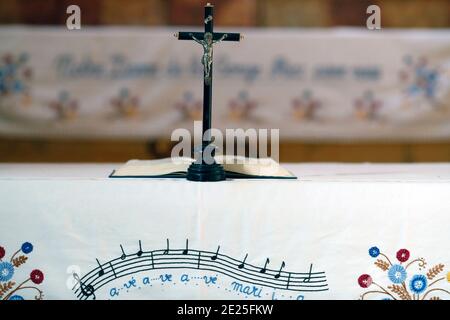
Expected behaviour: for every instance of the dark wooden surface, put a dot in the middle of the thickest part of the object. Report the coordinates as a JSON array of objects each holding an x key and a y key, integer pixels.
[{"x": 36, "y": 150}]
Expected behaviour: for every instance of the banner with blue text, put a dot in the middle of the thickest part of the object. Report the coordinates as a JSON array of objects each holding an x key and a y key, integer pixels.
[{"x": 313, "y": 85}]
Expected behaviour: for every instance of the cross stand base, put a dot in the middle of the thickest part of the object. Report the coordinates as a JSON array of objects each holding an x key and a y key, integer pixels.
[{"x": 205, "y": 172}]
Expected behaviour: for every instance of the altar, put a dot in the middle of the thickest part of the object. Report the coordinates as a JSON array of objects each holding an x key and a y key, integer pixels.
[{"x": 353, "y": 231}]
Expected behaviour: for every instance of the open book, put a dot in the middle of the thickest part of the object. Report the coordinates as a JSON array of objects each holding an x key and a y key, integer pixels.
[{"x": 235, "y": 168}]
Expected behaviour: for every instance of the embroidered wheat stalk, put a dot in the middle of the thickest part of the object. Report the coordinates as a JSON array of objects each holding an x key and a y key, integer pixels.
[
  {"x": 383, "y": 265},
  {"x": 433, "y": 272},
  {"x": 19, "y": 261},
  {"x": 6, "y": 287},
  {"x": 400, "y": 291}
]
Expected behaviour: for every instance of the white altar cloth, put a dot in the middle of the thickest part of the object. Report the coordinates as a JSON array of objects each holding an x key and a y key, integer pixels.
[{"x": 338, "y": 232}]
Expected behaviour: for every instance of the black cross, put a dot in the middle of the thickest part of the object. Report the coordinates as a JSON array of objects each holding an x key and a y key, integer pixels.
[{"x": 202, "y": 38}]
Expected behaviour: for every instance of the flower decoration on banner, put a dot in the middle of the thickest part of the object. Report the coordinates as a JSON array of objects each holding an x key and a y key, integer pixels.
[
  {"x": 64, "y": 106},
  {"x": 367, "y": 107},
  {"x": 126, "y": 104},
  {"x": 9, "y": 288},
  {"x": 305, "y": 106},
  {"x": 189, "y": 107},
  {"x": 420, "y": 79},
  {"x": 240, "y": 108},
  {"x": 15, "y": 77},
  {"x": 408, "y": 278}
]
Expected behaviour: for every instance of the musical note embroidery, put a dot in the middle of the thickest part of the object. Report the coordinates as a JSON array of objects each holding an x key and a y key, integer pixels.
[
  {"x": 279, "y": 272},
  {"x": 216, "y": 255},
  {"x": 139, "y": 253},
  {"x": 167, "y": 250},
  {"x": 189, "y": 258},
  {"x": 101, "y": 272},
  {"x": 242, "y": 265},
  {"x": 187, "y": 247},
  {"x": 123, "y": 256},
  {"x": 263, "y": 270}
]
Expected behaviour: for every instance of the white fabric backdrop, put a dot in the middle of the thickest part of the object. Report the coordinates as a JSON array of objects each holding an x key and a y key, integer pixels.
[
  {"x": 73, "y": 215},
  {"x": 333, "y": 84}
]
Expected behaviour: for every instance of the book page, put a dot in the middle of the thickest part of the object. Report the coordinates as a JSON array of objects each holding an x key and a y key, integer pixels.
[{"x": 153, "y": 167}]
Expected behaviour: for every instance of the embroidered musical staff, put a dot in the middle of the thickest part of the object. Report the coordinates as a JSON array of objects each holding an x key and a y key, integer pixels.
[
  {"x": 114, "y": 271},
  {"x": 288, "y": 281},
  {"x": 86, "y": 290},
  {"x": 189, "y": 258}
]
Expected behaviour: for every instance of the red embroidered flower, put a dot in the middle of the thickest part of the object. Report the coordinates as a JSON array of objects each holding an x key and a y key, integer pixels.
[
  {"x": 2, "y": 252},
  {"x": 402, "y": 255},
  {"x": 37, "y": 276},
  {"x": 365, "y": 280}
]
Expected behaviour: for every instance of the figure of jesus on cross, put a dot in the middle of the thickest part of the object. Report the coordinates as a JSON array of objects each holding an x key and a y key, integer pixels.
[{"x": 203, "y": 170}]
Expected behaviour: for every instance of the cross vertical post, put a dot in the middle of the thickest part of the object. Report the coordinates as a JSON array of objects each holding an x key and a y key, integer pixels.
[
  {"x": 205, "y": 168},
  {"x": 207, "y": 84}
]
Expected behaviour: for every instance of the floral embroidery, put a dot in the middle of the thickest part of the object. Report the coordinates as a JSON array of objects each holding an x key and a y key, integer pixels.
[
  {"x": 126, "y": 103},
  {"x": 36, "y": 276},
  {"x": 397, "y": 274},
  {"x": 15, "y": 77},
  {"x": 367, "y": 107},
  {"x": 365, "y": 280},
  {"x": 421, "y": 80},
  {"x": 418, "y": 283},
  {"x": 189, "y": 107},
  {"x": 6, "y": 271},
  {"x": 241, "y": 108},
  {"x": 65, "y": 107},
  {"x": 402, "y": 255},
  {"x": 305, "y": 107},
  {"x": 8, "y": 288},
  {"x": 374, "y": 252},
  {"x": 417, "y": 287},
  {"x": 27, "y": 248}
]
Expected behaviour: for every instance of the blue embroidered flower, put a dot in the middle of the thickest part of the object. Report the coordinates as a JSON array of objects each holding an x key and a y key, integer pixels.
[
  {"x": 6, "y": 271},
  {"x": 374, "y": 252},
  {"x": 397, "y": 274},
  {"x": 418, "y": 283},
  {"x": 27, "y": 247},
  {"x": 16, "y": 297}
]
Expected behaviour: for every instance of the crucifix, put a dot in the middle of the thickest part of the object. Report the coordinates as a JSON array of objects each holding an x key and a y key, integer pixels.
[{"x": 205, "y": 168}]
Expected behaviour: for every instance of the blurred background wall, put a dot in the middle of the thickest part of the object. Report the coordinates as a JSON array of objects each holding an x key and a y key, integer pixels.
[{"x": 247, "y": 13}]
